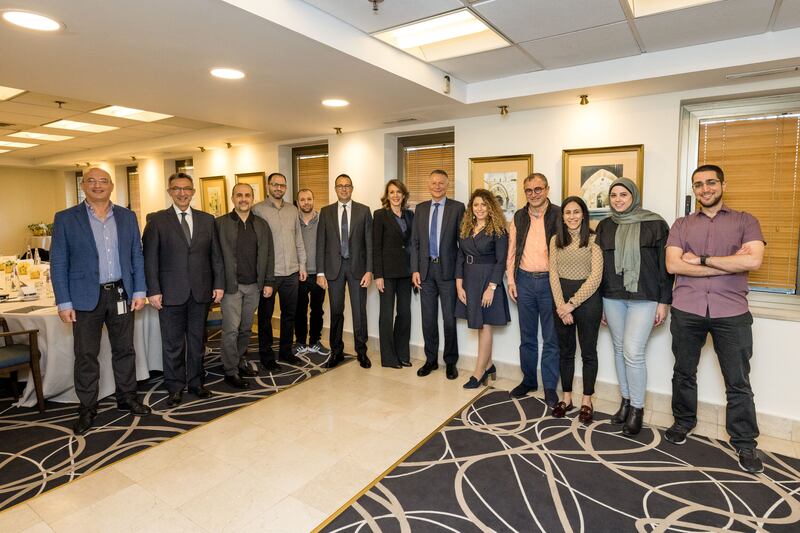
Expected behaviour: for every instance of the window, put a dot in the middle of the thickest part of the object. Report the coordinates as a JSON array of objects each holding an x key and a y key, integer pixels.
[
  {"x": 311, "y": 172},
  {"x": 185, "y": 165},
  {"x": 80, "y": 195},
  {"x": 757, "y": 143},
  {"x": 418, "y": 156}
]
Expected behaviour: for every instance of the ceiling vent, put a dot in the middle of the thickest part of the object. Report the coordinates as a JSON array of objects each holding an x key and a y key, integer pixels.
[
  {"x": 5, "y": 125},
  {"x": 400, "y": 121}
]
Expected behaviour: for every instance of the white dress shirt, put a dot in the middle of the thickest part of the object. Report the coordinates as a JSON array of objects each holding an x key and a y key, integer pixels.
[
  {"x": 340, "y": 210},
  {"x": 188, "y": 217}
]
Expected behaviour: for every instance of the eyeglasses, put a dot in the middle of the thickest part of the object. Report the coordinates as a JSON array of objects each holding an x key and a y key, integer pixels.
[
  {"x": 181, "y": 189},
  {"x": 95, "y": 181},
  {"x": 535, "y": 190},
  {"x": 710, "y": 183},
  {"x": 278, "y": 185},
  {"x": 345, "y": 187}
]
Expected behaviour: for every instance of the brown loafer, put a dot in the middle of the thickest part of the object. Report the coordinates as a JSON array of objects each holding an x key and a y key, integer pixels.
[
  {"x": 585, "y": 414},
  {"x": 561, "y": 409}
]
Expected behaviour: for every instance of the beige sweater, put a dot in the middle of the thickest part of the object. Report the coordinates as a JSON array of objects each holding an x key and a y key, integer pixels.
[{"x": 575, "y": 263}]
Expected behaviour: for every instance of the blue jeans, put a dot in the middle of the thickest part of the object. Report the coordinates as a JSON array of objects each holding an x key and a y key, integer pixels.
[
  {"x": 535, "y": 305},
  {"x": 630, "y": 323}
]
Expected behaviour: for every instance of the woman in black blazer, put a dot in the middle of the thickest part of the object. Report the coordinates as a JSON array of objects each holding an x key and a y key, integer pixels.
[{"x": 391, "y": 233}]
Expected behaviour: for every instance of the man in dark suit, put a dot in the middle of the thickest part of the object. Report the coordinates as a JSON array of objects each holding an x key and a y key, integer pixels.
[
  {"x": 98, "y": 278},
  {"x": 344, "y": 257},
  {"x": 434, "y": 247},
  {"x": 184, "y": 272}
]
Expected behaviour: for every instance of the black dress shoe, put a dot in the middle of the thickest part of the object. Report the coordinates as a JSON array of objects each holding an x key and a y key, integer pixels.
[
  {"x": 405, "y": 363},
  {"x": 134, "y": 406},
  {"x": 236, "y": 381},
  {"x": 271, "y": 366},
  {"x": 247, "y": 371},
  {"x": 174, "y": 398},
  {"x": 84, "y": 422},
  {"x": 333, "y": 360},
  {"x": 200, "y": 392},
  {"x": 364, "y": 361},
  {"x": 395, "y": 365},
  {"x": 633, "y": 425},
  {"x": 292, "y": 360},
  {"x": 452, "y": 371},
  {"x": 521, "y": 390},
  {"x": 427, "y": 368}
]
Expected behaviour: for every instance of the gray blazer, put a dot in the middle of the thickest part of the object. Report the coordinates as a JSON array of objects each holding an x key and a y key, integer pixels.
[
  {"x": 265, "y": 260},
  {"x": 329, "y": 247}
]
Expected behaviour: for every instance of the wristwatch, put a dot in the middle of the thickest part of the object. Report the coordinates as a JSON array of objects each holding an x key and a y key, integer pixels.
[
  {"x": 492, "y": 286},
  {"x": 703, "y": 259}
]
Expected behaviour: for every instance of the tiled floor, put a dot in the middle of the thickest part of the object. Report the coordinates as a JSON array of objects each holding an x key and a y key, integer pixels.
[{"x": 283, "y": 464}]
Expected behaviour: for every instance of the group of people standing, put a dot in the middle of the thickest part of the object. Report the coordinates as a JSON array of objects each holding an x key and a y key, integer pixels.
[{"x": 564, "y": 277}]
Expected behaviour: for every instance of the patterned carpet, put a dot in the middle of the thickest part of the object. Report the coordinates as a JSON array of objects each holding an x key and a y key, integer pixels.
[
  {"x": 503, "y": 465},
  {"x": 39, "y": 452}
]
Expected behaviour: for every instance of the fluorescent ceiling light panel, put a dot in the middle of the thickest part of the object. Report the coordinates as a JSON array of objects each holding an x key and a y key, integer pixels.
[
  {"x": 442, "y": 37},
  {"x": 227, "y": 73},
  {"x": 4, "y": 151},
  {"x": 10, "y": 144},
  {"x": 335, "y": 102},
  {"x": 642, "y": 8},
  {"x": 79, "y": 126},
  {"x": 40, "y": 136},
  {"x": 9, "y": 92},
  {"x": 31, "y": 21},
  {"x": 130, "y": 113}
]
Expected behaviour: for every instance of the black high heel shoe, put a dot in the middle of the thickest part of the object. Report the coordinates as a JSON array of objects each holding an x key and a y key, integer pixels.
[
  {"x": 473, "y": 383},
  {"x": 490, "y": 372}
]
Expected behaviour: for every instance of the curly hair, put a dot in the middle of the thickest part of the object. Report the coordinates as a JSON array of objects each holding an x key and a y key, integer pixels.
[{"x": 496, "y": 221}]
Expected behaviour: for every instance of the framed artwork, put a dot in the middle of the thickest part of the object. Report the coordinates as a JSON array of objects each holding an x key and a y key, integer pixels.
[
  {"x": 503, "y": 176},
  {"x": 214, "y": 195},
  {"x": 589, "y": 172},
  {"x": 258, "y": 181}
]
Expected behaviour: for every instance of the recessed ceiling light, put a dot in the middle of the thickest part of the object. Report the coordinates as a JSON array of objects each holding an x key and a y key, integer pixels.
[
  {"x": 642, "y": 8},
  {"x": 10, "y": 144},
  {"x": 32, "y": 21},
  {"x": 335, "y": 102},
  {"x": 130, "y": 113},
  {"x": 79, "y": 126},
  {"x": 455, "y": 34},
  {"x": 40, "y": 136},
  {"x": 4, "y": 151},
  {"x": 227, "y": 73},
  {"x": 9, "y": 92}
]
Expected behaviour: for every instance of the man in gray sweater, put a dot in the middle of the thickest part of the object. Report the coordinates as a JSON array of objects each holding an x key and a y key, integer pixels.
[{"x": 308, "y": 332}]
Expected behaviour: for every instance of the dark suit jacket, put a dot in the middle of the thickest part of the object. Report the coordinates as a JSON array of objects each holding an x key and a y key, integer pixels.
[
  {"x": 177, "y": 270},
  {"x": 265, "y": 259},
  {"x": 391, "y": 249},
  {"x": 75, "y": 264},
  {"x": 448, "y": 241},
  {"x": 329, "y": 245}
]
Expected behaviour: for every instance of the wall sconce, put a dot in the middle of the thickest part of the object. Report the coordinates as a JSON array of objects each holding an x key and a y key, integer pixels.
[
  {"x": 446, "y": 84},
  {"x": 133, "y": 158},
  {"x": 503, "y": 110},
  {"x": 87, "y": 164},
  {"x": 202, "y": 149},
  {"x": 584, "y": 99},
  {"x": 338, "y": 131},
  {"x": 229, "y": 145}
]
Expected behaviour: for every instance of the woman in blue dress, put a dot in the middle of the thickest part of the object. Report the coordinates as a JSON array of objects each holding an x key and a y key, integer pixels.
[{"x": 482, "y": 300}]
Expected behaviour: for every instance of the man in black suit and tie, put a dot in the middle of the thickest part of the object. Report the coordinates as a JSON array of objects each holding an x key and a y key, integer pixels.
[
  {"x": 184, "y": 273},
  {"x": 344, "y": 257},
  {"x": 434, "y": 247}
]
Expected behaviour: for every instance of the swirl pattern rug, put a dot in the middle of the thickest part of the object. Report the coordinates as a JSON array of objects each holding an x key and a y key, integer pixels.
[
  {"x": 39, "y": 452},
  {"x": 505, "y": 465}
]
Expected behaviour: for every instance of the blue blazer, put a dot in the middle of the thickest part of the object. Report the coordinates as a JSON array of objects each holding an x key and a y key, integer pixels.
[{"x": 75, "y": 264}]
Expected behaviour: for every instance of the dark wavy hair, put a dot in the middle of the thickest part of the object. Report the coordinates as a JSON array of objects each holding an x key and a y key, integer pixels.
[
  {"x": 563, "y": 238},
  {"x": 403, "y": 189}
]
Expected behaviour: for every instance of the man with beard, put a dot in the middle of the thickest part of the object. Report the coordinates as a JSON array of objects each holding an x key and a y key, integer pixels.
[
  {"x": 710, "y": 252},
  {"x": 308, "y": 331}
]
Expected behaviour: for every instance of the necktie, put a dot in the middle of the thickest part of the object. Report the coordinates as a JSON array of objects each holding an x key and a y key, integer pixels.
[
  {"x": 345, "y": 234},
  {"x": 186, "y": 230},
  {"x": 433, "y": 236}
]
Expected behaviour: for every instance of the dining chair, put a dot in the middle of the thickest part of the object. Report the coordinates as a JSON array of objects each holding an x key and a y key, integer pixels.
[{"x": 15, "y": 357}]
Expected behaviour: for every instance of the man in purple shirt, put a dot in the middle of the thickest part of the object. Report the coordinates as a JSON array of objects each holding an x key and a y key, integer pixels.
[{"x": 710, "y": 252}]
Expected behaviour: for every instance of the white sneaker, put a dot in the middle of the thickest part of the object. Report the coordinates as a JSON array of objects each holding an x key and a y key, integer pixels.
[
  {"x": 300, "y": 348},
  {"x": 319, "y": 348}
]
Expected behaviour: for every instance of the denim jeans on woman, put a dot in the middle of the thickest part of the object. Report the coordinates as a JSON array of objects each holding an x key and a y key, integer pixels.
[{"x": 630, "y": 323}]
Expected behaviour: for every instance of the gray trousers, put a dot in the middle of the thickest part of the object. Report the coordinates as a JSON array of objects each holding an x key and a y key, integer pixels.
[{"x": 237, "y": 321}]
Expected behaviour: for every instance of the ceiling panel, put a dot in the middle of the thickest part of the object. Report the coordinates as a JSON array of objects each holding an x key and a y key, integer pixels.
[
  {"x": 48, "y": 100},
  {"x": 391, "y": 13},
  {"x": 499, "y": 63},
  {"x": 687, "y": 27},
  {"x": 525, "y": 20},
  {"x": 45, "y": 114},
  {"x": 185, "y": 123},
  {"x": 158, "y": 129},
  {"x": 788, "y": 15},
  {"x": 596, "y": 44},
  {"x": 44, "y": 150},
  {"x": 19, "y": 121}
]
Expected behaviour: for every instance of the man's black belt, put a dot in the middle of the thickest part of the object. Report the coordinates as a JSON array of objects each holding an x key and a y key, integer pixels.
[
  {"x": 435, "y": 259},
  {"x": 111, "y": 285},
  {"x": 534, "y": 274}
]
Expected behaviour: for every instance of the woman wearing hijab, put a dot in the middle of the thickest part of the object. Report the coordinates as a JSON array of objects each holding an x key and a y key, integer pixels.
[{"x": 636, "y": 289}]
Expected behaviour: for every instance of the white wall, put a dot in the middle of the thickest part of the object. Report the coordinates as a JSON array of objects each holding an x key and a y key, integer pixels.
[{"x": 27, "y": 196}]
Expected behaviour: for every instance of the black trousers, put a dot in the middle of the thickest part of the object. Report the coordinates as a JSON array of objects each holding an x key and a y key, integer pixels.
[
  {"x": 395, "y": 330},
  {"x": 733, "y": 342},
  {"x": 358, "y": 307},
  {"x": 286, "y": 288},
  {"x": 183, "y": 329},
  {"x": 587, "y": 323},
  {"x": 436, "y": 289},
  {"x": 87, "y": 332},
  {"x": 308, "y": 330}
]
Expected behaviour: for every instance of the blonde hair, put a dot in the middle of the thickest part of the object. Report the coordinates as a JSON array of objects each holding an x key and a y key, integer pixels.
[{"x": 496, "y": 220}]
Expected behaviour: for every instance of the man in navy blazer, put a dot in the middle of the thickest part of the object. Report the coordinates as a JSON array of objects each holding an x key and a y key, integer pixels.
[
  {"x": 97, "y": 269},
  {"x": 434, "y": 247},
  {"x": 184, "y": 271}
]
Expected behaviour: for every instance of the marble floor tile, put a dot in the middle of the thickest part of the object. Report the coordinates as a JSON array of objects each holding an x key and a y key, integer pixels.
[{"x": 18, "y": 518}]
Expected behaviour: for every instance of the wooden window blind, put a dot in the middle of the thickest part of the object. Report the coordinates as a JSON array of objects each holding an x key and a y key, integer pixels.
[
  {"x": 312, "y": 173},
  {"x": 759, "y": 155},
  {"x": 419, "y": 162},
  {"x": 134, "y": 196}
]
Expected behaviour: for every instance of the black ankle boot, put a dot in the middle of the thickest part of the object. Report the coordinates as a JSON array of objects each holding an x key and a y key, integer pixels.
[
  {"x": 622, "y": 414},
  {"x": 633, "y": 425}
]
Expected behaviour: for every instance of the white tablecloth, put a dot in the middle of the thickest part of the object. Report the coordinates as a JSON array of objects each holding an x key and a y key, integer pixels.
[{"x": 58, "y": 357}]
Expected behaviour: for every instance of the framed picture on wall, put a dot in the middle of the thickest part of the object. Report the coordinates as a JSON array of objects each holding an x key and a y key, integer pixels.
[
  {"x": 589, "y": 172},
  {"x": 214, "y": 195},
  {"x": 258, "y": 181},
  {"x": 503, "y": 177}
]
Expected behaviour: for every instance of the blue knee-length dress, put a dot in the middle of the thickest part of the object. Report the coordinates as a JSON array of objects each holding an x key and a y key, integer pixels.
[{"x": 482, "y": 260}]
